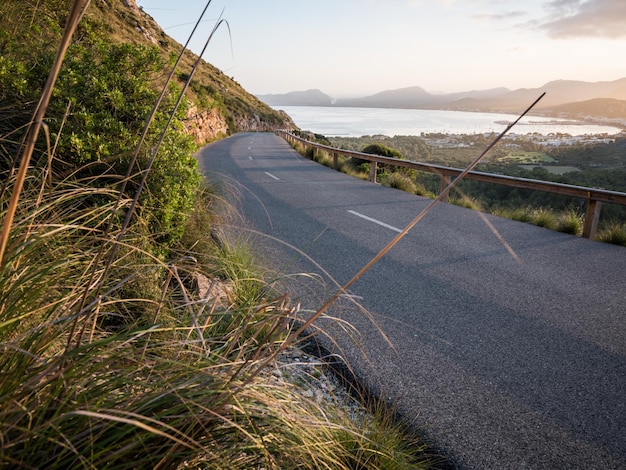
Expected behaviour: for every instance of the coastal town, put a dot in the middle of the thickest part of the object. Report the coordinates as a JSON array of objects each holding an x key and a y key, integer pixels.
[{"x": 441, "y": 140}]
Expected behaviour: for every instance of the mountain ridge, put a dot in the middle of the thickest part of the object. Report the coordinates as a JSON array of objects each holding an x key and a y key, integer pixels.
[{"x": 562, "y": 96}]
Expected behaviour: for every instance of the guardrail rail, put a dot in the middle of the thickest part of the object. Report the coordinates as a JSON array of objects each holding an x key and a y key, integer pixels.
[{"x": 595, "y": 197}]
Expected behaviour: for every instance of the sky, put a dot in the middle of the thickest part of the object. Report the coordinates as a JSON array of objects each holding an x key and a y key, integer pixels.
[{"x": 350, "y": 48}]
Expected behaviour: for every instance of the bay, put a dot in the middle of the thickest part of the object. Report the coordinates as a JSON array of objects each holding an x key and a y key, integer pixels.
[{"x": 355, "y": 122}]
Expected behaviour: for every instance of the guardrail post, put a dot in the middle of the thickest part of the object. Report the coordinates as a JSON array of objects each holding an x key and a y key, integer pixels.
[
  {"x": 591, "y": 218},
  {"x": 335, "y": 161},
  {"x": 373, "y": 166},
  {"x": 443, "y": 184}
]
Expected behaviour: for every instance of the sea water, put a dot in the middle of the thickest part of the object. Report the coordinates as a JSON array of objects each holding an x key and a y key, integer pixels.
[{"x": 355, "y": 122}]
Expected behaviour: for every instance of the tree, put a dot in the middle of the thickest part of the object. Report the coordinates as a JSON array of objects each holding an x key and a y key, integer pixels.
[{"x": 376, "y": 149}]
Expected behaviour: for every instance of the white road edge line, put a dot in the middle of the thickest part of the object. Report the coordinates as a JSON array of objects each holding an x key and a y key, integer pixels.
[
  {"x": 272, "y": 176},
  {"x": 382, "y": 224}
]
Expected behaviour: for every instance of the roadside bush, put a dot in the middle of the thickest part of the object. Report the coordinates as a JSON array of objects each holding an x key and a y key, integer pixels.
[
  {"x": 421, "y": 190},
  {"x": 614, "y": 233},
  {"x": 376, "y": 149},
  {"x": 521, "y": 214},
  {"x": 324, "y": 158},
  {"x": 545, "y": 218},
  {"x": 570, "y": 222},
  {"x": 399, "y": 181},
  {"x": 467, "y": 202}
]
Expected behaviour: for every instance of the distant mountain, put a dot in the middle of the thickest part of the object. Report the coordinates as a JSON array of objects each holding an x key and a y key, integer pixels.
[
  {"x": 478, "y": 94},
  {"x": 412, "y": 97},
  {"x": 298, "y": 98},
  {"x": 558, "y": 93},
  {"x": 598, "y": 107},
  {"x": 417, "y": 98}
]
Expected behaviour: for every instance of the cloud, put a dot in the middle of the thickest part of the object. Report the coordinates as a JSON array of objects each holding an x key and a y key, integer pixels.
[
  {"x": 590, "y": 18},
  {"x": 499, "y": 16}
]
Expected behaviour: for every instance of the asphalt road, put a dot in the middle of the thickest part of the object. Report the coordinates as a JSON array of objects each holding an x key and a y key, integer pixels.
[{"x": 505, "y": 342}]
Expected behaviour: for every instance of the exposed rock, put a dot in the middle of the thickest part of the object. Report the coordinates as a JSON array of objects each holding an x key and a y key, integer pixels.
[
  {"x": 254, "y": 124},
  {"x": 205, "y": 126},
  {"x": 209, "y": 125},
  {"x": 213, "y": 290}
]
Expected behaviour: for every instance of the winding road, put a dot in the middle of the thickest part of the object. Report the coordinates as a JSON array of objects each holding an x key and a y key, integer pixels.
[{"x": 505, "y": 343}]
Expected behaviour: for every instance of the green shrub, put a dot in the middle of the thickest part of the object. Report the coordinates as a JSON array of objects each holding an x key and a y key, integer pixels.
[
  {"x": 360, "y": 164},
  {"x": 109, "y": 90},
  {"x": 382, "y": 150}
]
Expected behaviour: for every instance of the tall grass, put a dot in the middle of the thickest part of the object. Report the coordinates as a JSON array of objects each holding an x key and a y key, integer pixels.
[
  {"x": 401, "y": 182},
  {"x": 111, "y": 357},
  {"x": 466, "y": 201},
  {"x": 163, "y": 387},
  {"x": 569, "y": 221}
]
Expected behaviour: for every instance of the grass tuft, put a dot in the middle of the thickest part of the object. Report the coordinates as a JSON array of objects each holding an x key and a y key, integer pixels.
[
  {"x": 467, "y": 202},
  {"x": 570, "y": 222},
  {"x": 401, "y": 182},
  {"x": 545, "y": 218},
  {"x": 614, "y": 233}
]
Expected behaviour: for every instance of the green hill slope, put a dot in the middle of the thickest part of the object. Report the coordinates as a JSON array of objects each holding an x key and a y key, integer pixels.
[{"x": 30, "y": 31}]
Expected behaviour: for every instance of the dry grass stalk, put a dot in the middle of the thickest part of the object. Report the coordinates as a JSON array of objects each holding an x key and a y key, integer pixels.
[
  {"x": 78, "y": 9},
  {"x": 343, "y": 290},
  {"x": 146, "y": 171}
]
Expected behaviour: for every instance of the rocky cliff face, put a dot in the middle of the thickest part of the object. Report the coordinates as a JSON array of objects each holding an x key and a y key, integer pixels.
[
  {"x": 255, "y": 123},
  {"x": 206, "y": 125}
]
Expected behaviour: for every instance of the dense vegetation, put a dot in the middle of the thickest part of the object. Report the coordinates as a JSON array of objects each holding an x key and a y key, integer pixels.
[
  {"x": 131, "y": 335},
  {"x": 586, "y": 164}
]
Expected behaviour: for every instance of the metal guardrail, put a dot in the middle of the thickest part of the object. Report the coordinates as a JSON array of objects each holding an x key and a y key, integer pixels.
[{"x": 594, "y": 197}]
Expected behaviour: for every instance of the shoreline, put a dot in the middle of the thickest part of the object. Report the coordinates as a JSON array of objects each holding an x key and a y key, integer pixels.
[{"x": 360, "y": 121}]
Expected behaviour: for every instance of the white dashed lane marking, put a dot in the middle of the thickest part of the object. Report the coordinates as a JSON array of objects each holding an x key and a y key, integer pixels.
[{"x": 382, "y": 224}]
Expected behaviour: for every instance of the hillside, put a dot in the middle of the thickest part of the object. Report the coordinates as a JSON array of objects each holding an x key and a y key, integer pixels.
[
  {"x": 219, "y": 105},
  {"x": 210, "y": 88},
  {"x": 607, "y": 108}
]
